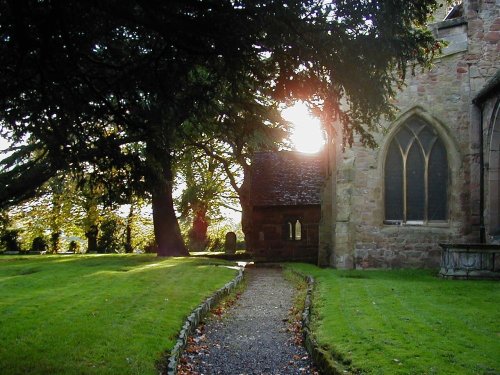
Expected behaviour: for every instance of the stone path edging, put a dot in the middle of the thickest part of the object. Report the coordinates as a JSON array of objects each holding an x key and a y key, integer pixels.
[
  {"x": 321, "y": 358},
  {"x": 194, "y": 319}
]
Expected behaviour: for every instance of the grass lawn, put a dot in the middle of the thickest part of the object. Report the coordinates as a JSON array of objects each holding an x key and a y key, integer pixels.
[
  {"x": 406, "y": 321},
  {"x": 108, "y": 314}
]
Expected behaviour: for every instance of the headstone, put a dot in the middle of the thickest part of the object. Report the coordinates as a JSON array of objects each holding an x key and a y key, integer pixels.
[{"x": 230, "y": 244}]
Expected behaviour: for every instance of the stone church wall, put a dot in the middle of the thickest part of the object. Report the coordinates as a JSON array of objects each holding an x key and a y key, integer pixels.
[
  {"x": 491, "y": 134},
  {"x": 442, "y": 97}
]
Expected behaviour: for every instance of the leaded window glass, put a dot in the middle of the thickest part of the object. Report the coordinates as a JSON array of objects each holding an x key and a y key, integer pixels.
[{"x": 416, "y": 175}]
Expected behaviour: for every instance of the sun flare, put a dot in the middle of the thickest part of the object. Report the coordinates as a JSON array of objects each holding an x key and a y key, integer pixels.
[{"x": 307, "y": 134}]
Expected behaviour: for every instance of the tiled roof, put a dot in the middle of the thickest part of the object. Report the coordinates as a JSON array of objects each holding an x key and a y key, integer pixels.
[{"x": 286, "y": 178}]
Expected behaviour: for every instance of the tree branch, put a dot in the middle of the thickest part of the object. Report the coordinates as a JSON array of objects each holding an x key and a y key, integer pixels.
[{"x": 225, "y": 164}]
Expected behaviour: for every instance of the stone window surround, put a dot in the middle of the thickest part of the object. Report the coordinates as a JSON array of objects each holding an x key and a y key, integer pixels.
[
  {"x": 417, "y": 177},
  {"x": 454, "y": 165}
]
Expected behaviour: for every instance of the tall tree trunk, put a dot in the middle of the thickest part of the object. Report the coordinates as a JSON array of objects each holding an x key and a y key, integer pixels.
[
  {"x": 168, "y": 236},
  {"x": 166, "y": 227},
  {"x": 92, "y": 239},
  {"x": 55, "y": 241},
  {"x": 198, "y": 238},
  {"x": 56, "y": 217},
  {"x": 128, "y": 232},
  {"x": 246, "y": 210}
]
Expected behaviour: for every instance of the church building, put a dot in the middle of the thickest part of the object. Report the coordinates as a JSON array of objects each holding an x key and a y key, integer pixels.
[
  {"x": 285, "y": 195},
  {"x": 433, "y": 178}
]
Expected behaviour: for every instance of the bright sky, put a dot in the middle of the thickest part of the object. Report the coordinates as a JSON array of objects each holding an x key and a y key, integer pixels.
[
  {"x": 3, "y": 143},
  {"x": 307, "y": 135}
]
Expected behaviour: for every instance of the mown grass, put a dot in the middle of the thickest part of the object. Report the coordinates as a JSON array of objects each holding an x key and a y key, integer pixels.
[
  {"x": 97, "y": 314},
  {"x": 406, "y": 321}
]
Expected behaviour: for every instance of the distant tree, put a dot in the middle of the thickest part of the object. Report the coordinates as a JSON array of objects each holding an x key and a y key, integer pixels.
[
  {"x": 131, "y": 218},
  {"x": 141, "y": 225},
  {"x": 111, "y": 235},
  {"x": 205, "y": 191},
  {"x": 61, "y": 192},
  {"x": 4, "y": 221},
  {"x": 55, "y": 212},
  {"x": 75, "y": 206},
  {"x": 252, "y": 123},
  {"x": 37, "y": 216},
  {"x": 39, "y": 244},
  {"x": 9, "y": 240},
  {"x": 125, "y": 86},
  {"x": 138, "y": 223},
  {"x": 89, "y": 201},
  {"x": 74, "y": 247}
]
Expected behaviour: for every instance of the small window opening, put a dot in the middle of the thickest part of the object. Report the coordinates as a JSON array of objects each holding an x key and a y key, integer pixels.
[
  {"x": 293, "y": 230},
  {"x": 290, "y": 231},
  {"x": 298, "y": 230}
]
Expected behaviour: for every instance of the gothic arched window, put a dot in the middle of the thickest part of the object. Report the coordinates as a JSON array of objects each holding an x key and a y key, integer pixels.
[{"x": 416, "y": 176}]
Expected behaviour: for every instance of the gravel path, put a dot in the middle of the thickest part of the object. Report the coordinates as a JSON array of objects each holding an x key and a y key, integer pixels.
[{"x": 253, "y": 336}]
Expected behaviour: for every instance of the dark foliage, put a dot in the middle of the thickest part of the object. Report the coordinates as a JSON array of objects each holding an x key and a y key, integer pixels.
[
  {"x": 10, "y": 240},
  {"x": 74, "y": 247},
  {"x": 39, "y": 244},
  {"x": 109, "y": 239}
]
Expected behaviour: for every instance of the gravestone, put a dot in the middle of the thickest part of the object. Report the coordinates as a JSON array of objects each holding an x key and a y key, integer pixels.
[{"x": 230, "y": 244}]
